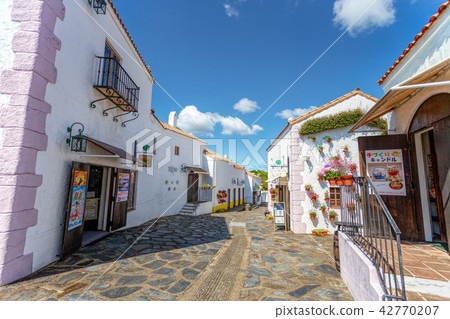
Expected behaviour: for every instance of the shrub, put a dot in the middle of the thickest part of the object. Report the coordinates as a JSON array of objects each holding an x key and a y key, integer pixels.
[{"x": 342, "y": 119}]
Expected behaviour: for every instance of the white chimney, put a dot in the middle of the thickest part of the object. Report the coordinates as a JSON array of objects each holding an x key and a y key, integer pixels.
[
  {"x": 173, "y": 118},
  {"x": 225, "y": 156}
]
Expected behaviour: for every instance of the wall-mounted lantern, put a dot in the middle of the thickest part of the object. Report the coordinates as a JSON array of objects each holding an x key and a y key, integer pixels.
[
  {"x": 78, "y": 142},
  {"x": 183, "y": 168},
  {"x": 98, "y": 5}
]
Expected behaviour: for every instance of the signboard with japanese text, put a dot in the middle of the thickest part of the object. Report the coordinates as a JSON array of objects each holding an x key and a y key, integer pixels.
[{"x": 385, "y": 169}]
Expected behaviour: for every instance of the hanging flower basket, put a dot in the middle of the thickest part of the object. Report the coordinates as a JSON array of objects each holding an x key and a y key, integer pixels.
[
  {"x": 345, "y": 149},
  {"x": 347, "y": 180},
  {"x": 312, "y": 215},
  {"x": 351, "y": 207},
  {"x": 307, "y": 158},
  {"x": 313, "y": 196},
  {"x": 308, "y": 187},
  {"x": 352, "y": 167},
  {"x": 328, "y": 139},
  {"x": 332, "y": 214},
  {"x": 313, "y": 138},
  {"x": 320, "y": 148},
  {"x": 323, "y": 208}
]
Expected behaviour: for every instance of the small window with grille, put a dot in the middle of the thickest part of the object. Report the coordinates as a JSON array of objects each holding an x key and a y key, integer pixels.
[
  {"x": 177, "y": 150},
  {"x": 335, "y": 197}
]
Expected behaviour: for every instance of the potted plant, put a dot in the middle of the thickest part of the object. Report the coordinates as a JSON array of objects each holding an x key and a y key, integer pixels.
[
  {"x": 358, "y": 197},
  {"x": 312, "y": 215},
  {"x": 313, "y": 138},
  {"x": 330, "y": 177},
  {"x": 351, "y": 207},
  {"x": 327, "y": 196},
  {"x": 328, "y": 139},
  {"x": 320, "y": 176},
  {"x": 320, "y": 148},
  {"x": 307, "y": 158},
  {"x": 323, "y": 207},
  {"x": 308, "y": 187},
  {"x": 345, "y": 148},
  {"x": 320, "y": 232},
  {"x": 313, "y": 196},
  {"x": 352, "y": 167},
  {"x": 332, "y": 214}
]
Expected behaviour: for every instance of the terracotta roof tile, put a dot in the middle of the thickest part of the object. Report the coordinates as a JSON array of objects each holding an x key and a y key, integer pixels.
[
  {"x": 179, "y": 131},
  {"x": 418, "y": 36},
  {"x": 131, "y": 40}
]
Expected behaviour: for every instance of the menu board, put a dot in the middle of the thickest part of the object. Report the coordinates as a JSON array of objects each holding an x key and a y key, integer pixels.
[
  {"x": 385, "y": 169},
  {"x": 279, "y": 214}
]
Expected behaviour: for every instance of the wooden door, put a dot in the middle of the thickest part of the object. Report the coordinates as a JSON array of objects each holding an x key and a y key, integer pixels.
[
  {"x": 402, "y": 208},
  {"x": 120, "y": 199},
  {"x": 239, "y": 196},
  {"x": 192, "y": 187},
  {"x": 228, "y": 199},
  {"x": 234, "y": 197},
  {"x": 76, "y": 204}
]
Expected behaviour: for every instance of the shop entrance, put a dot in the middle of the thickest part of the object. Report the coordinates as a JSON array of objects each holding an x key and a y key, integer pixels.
[
  {"x": 97, "y": 204},
  {"x": 432, "y": 206}
]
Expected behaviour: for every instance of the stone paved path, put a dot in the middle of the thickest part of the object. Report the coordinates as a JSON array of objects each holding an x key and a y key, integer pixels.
[{"x": 227, "y": 256}]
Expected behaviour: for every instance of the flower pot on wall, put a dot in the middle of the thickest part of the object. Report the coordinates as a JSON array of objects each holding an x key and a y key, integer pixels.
[
  {"x": 347, "y": 180},
  {"x": 313, "y": 217},
  {"x": 332, "y": 218},
  {"x": 332, "y": 181},
  {"x": 339, "y": 181},
  {"x": 320, "y": 179}
]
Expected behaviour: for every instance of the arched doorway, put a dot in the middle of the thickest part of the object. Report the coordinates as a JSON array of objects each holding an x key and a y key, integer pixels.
[{"x": 430, "y": 132}]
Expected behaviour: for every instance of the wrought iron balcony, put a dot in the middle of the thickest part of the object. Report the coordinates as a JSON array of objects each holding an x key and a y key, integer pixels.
[{"x": 116, "y": 85}]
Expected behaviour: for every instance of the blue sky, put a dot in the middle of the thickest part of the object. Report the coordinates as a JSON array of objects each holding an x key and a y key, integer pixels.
[{"x": 226, "y": 61}]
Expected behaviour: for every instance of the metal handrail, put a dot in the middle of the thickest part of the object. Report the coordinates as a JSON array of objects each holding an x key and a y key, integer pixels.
[
  {"x": 113, "y": 76},
  {"x": 368, "y": 222}
]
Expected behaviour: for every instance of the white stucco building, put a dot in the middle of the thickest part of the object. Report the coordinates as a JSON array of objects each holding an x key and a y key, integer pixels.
[
  {"x": 289, "y": 170},
  {"x": 123, "y": 166}
]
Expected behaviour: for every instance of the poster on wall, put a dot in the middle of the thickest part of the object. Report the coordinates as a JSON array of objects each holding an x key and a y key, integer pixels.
[
  {"x": 279, "y": 214},
  {"x": 385, "y": 169},
  {"x": 124, "y": 185},
  {"x": 91, "y": 209},
  {"x": 78, "y": 199}
]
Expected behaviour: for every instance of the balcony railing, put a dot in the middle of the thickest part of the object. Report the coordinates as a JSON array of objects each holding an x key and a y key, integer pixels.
[
  {"x": 116, "y": 85},
  {"x": 367, "y": 221},
  {"x": 204, "y": 195}
]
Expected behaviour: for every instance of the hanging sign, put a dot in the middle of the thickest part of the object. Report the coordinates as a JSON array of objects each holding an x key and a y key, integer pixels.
[
  {"x": 385, "y": 168},
  {"x": 78, "y": 199},
  {"x": 279, "y": 216},
  {"x": 124, "y": 185}
]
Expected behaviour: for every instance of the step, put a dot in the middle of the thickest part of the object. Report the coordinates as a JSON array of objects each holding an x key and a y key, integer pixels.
[{"x": 187, "y": 211}]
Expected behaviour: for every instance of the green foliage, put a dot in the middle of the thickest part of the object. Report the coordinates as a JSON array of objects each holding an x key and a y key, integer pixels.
[
  {"x": 263, "y": 175},
  {"x": 313, "y": 214},
  {"x": 339, "y": 120}
]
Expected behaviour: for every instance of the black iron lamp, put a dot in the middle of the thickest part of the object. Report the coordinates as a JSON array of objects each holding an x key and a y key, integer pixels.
[
  {"x": 78, "y": 142},
  {"x": 98, "y": 5}
]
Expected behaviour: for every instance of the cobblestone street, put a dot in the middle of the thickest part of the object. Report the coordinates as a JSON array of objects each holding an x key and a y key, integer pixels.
[{"x": 224, "y": 256}]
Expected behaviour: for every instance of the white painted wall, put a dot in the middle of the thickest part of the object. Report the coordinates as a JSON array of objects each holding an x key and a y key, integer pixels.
[
  {"x": 251, "y": 185},
  {"x": 223, "y": 173},
  {"x": 431, "y": 49},
  {"x": 8, "y": 29},
  {"x": 82, "y": 39},
  {"x": 318, "y": 160},
  {"x": 279, "y": 150}
]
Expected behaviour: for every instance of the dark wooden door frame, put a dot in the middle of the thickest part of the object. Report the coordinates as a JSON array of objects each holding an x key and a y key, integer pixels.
[{"x": 228, "y": 199}]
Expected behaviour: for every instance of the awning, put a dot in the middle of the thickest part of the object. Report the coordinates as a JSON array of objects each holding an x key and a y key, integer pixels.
[
  {"x": 394, "y": 97},
  {"x": 196, "y": 170},
  {"x": 112, "y": 149}
]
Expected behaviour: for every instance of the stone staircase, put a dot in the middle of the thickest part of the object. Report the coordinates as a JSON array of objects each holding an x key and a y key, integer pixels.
[{"x": 188, "y": 209}]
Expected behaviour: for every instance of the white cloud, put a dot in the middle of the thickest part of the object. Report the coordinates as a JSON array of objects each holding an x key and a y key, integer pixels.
[
  {"x": 288, "y": 113},
  {"x": 196, "y": 122},
  {"x": 230, "y": 11},
  {"x": 192, "y": 120},
  {"x": 234, "y": 125},
  {"x": 346, "y": 12},
  {"x": 246, "y": 106}
]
